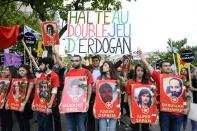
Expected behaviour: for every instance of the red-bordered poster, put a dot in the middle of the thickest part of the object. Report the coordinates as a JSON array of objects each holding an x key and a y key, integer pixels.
[
  {"x": 144, "y": 109},
  {"x": 42, "y": 94},
  {"x": 107, "y": 99},
  {"x": 74, "y": 95},
  {"x": 50, "y": 33},
  {"x": 171, "y": 93},
  {"x": 17, "y": 94},
  {"x": 4, "y": 86}
]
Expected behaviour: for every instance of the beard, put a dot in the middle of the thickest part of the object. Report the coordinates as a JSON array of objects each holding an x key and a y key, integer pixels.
[
  {"x": 107, "y": 99},
  {"x": 175, "y": 94},
  {"x": 43, "y": 70},
  {"x": 76, "y": 66}
]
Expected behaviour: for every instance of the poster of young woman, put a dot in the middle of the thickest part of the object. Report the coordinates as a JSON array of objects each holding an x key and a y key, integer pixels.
[
  {"x": 4, "y": 86},
  {"x": 144, "y": 109},
  {"x": 172, "y": 93},
  {"x": 107, "y": 99},
  {"x": 42, "y": 95},
  {"x": 50, "y": 33},
  {"x": 17, "y": 94},
  {"x": 74, "y": 94}
]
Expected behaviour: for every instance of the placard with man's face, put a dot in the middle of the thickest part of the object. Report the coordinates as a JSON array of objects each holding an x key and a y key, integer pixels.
[
  {"x": 50, "y": 33},
  {"x": 4, "y": 86},
  {"x": 171, "y": 93},
  {"x": 74, "y": 94},
  {"x": 144, "y": 109},
  {"x": 18, "y": 93},
  {"x": 107, "y": 99}
]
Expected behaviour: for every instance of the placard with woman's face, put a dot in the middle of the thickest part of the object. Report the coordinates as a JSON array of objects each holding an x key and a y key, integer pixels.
[
  {"x": 144, "y": 109},
  {"x": 171, "y": 93},
  {"x": 4, "y": 86},
  {"x": 74, "y": 94},
  {"x": 107, "y": 99},
  {"x": 18, "y": 93}
]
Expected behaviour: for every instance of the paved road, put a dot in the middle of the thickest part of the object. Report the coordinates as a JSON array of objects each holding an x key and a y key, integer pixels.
[{"x": 34, "y": 126}]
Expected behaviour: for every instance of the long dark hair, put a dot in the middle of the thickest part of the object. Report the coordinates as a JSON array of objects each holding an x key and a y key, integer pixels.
[
  {"x": 13, "y": 71},
  {"x": 145, "y": 76},
  {"x": 142, "y": 92},
  {"x": 112, "y": 71},
  {"x": 29, "y": 73},
  {"x": 187, "y": 77}
]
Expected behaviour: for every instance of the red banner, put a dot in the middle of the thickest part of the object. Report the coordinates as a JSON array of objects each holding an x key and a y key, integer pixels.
[
  {"x": 144, "y": 109},
  {"x": 4, "y": 86},
  {"x": 42, "y": 95},
  {"x": 171, "y": 93},
  {"x": 50, "y": 33},
  {"x": 107, "y": 99},
  {"x": 74, "y": 95},
  {"x": 17, "y": 94}
]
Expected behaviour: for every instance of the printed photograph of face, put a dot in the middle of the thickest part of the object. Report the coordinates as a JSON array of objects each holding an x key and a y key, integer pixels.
[
  {"x": 50, "y": 29},
  {"x": 19, "y": 90},
  {"x": 107, "y": 92},
  {"x": 75, "y": 87},
  {"x": 173, "y": 87},
  {"x": 3, "y": 87},
  {"x": 43, "y": 90},
  {"x": 143, "y": 97}
]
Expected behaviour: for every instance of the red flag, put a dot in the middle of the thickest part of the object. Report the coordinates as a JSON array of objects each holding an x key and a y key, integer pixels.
[{"x": 8, "y": 36}]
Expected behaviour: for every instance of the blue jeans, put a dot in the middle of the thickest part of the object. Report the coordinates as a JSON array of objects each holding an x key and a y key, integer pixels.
[
  {"x": 45, "y": 122},
  {"x": 170, "y": 122},
  {"x": 107, "y": 124},
  {"x": 194, "y": 125},
  {"x": 76, "y": 121}
]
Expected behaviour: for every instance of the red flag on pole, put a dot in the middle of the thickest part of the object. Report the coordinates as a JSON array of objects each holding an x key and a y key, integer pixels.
[{"x": 8, "y": 36}]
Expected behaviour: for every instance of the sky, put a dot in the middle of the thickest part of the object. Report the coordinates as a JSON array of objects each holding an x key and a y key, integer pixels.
[{"x": 155, "y": 21}]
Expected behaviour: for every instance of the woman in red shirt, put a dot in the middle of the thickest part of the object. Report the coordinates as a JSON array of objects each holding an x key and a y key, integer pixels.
[
  {"x": 107, "y": 73},
  {"x": 140, "y": 77},
  {"x": 24, "y": 114}
]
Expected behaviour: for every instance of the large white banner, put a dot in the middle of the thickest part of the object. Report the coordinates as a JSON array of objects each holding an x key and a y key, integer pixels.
[{"x": 98, "y": 32}]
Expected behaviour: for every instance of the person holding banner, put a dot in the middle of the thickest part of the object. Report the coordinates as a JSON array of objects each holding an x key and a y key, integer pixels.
[
  {"x": 6, "y": 115},
  {"x": 45, "y": 121},
  {"x": 144, "y": 99},
  {"x": 107, "y": 73},
  {"x": 25, "y": 114},
  {"x": 77, "y": 121},
  {"x": 169, "y": 121}
]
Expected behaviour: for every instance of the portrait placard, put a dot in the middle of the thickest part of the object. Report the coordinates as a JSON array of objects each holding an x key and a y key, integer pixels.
[
  {"x": 4, "y": 86},
  {"x": 107, "y": 99},
  {"x": 42, "y": 94},
  {"x": 17, "y": 94},
  {"x": 74, "y": 95},
  {"x": 50, "y": 33},
  {"x": 144, "y": 109},
  {"x": 171, "y": 93}
]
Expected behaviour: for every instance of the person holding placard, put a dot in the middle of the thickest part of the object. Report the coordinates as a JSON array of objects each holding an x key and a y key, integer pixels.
[
  {"x": 45, "y": 121},
  {"x": 6, "y": 115},
  {"x": 144, "y": 98},
  {"x": 106, "y": 93},
  {"x": 169, "y": 120},
  {"x": 25, "y": 114},
  {"x": 77, "y": 121}
]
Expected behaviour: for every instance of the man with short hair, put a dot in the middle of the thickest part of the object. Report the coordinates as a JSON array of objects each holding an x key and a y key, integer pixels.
[
  {"x": 77, "y": 121},
  {"x": 168, "y": 121},
  {"x": 45, "y": 121}
]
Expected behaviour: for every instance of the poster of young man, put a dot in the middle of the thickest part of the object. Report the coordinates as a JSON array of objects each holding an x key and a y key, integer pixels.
[
  {"x": 107, "y": 99},
  {"x": 50, "y": 33},
  {"x": 144, "y": 109},
  {"x": 42, "y": 95},
  {"x": 172, "y": 93},
  {"x": 17, "y": 94},
  {"x": 74, "y": 94},
  {"x": 4, "y": 86}
]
